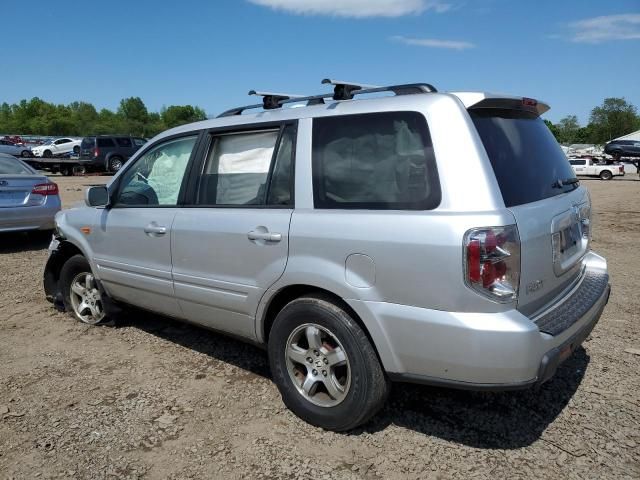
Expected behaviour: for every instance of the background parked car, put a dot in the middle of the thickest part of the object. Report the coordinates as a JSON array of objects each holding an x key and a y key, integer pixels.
[
  {"x": 28, "y": 200},
  {"x": 7, "y": 146},
  {"x": 590, "y": 168},
  {"x": 623, "y": 148},
  {"x": 57, "y": 147},
  {"x": 108, "y": 152}
]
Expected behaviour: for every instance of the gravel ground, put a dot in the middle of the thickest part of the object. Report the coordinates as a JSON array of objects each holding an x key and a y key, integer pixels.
[{"x": 154, "y": 398}]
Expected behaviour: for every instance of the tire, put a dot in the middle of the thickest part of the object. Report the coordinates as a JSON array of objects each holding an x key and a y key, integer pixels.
[
  {"x": 25, "y": 154},
  {"x": 66, "y": 171},
  {"x": 115, "y": 164},
  {"x": 606, "y": 175},
  {"x": 76, "y": 150},
  {"x": 617, "y": 156},
  {"x": 356, "y": 377},
  {"x": 76, "y": 276},
  {"x": 47, "y": 154},
  {"x": 79, "y": 170}
]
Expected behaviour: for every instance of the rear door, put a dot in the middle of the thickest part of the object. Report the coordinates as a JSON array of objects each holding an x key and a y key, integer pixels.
[
  {"x": 231, "y": 244},
  {"x": 551, "y": 212},
  {"x": 132, "y": 243}
]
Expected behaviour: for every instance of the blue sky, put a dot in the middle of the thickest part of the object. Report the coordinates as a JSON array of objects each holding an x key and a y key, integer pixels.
[{"x": 570, "y": 53}]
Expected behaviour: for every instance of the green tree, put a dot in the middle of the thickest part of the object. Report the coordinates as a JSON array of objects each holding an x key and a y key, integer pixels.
[
  {"x": 554, "y": 129},
  {"x": 614, "y": 118},
  {"x": 568, "y": 128},
  {"x": 175, "y": 115}
]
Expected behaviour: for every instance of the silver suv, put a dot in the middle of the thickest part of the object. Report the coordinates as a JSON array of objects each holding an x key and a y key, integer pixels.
[{"x": 419, "y": 236}]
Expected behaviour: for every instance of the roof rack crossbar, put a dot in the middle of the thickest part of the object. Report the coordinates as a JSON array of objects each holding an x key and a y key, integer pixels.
[{"x": 347, "y": 92}]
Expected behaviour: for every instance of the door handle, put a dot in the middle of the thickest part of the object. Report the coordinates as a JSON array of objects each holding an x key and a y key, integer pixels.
[
  {"x": 266, "y": 236},
  {"x": 153, "y": 229}
]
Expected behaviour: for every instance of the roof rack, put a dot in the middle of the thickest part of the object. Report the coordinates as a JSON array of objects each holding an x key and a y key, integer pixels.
[{"x": 341, "y": 91}]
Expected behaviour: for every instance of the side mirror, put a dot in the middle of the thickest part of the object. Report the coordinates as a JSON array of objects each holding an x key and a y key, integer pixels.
[{"x": 97, "y": 196}]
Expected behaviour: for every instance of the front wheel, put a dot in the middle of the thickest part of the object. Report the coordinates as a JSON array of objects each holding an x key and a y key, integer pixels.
[
  {"x": 324, "y": 365},
  {"x": 47, "y": 154},
  {"x": 80, "y": 293},
  {"x": 606, "y": 175},
  {"x": 25, "y": 154}
]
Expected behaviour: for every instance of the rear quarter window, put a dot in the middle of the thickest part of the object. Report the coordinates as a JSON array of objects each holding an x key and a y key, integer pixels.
[{"x": 374, "y": 161}]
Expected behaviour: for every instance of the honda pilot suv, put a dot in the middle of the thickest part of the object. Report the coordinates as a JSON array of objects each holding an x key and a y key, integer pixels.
[
  {"x": 420, "y": 236},
  {"x": 107, "y": 153}
]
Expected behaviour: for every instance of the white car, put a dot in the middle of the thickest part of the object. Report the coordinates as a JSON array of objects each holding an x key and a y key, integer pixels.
[{"x": 57, "y": 147}]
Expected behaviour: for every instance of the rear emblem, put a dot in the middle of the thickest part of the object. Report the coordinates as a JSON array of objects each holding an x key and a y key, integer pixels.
[{"x": 534, "y": 286}]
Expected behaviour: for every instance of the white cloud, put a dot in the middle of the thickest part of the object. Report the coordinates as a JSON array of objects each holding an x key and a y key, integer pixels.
[
  {"x": 609, "y": 27},
  {"x": 355, "y": 8},
  {"x": 434, "y": 43}
]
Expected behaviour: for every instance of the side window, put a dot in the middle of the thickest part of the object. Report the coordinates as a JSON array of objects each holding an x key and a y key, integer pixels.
[
  {"x": 578, "y": 162},
  {"x": 123, "y": 141},
  {"x": 237, "y": 169},
  {"x": 375, "y": 161},
  {"x": 106, "y": 142},
  {"x": 138, "y": 142},
  {"x": 156, "y": 177},
  {"x": 281, "y": 185}
]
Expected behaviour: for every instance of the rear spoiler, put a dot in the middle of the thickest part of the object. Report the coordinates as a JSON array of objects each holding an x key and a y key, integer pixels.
[{"x": 476, "y": 100}]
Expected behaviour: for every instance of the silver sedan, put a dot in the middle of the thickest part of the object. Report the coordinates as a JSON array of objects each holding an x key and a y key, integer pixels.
[
  {"x": 13, "y": 149},
  {"x": 28, "y": 199}
]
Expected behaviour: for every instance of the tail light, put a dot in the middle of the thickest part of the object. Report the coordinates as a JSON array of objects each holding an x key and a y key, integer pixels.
[
  {"x": 45, "y": 189},
  {"x": 96, "y": 152},
  {"x": 621, "y": 168},
  {"x": 492, "y": 262}
]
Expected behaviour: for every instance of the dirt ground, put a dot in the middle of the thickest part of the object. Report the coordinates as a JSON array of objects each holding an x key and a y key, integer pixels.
[{"x": 154, "y": 398}]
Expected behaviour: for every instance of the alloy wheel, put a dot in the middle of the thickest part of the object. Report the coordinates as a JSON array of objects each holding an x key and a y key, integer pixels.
[
  {"x": 86, "y": 299},
  {"x": 318, "y": 365}
]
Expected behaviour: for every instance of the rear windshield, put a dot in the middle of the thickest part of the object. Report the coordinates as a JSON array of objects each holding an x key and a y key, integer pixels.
[
  {"x": 524, "y": 154},
  {"x": 13, "y": 167},
  {"x": 88, "y": 142}
]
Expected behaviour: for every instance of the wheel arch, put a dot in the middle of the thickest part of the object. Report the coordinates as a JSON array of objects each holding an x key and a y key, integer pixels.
[
  {"x": 52, "y": 269},
  {"x": 282, "y": 297}
]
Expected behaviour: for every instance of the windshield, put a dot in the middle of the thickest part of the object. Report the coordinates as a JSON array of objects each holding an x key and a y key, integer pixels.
[
  {"x": 526, "y": 158},
  {"x": 12, "y": 166}
]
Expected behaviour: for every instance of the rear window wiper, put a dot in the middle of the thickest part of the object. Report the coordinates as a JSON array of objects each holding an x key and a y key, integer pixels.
[{"x": 561, "y": 183}]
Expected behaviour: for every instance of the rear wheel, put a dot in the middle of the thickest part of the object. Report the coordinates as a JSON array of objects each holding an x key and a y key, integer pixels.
[
  {"x": 115, "y": 164},
  {"x": 80, "y": 293},
  {"x": 76, "y": 150},
  {"x": 324, "y": 365},
  {"x": 606, "y": 175}
]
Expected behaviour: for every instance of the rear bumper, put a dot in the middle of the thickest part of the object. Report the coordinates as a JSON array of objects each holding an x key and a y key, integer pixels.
[
  {"x": 19, "y": 219},
  {"x": 480, "y": 351}
]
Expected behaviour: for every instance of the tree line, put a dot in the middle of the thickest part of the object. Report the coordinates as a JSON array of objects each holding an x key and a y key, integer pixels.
[
  {"x": 614, "y": 118},
  {"x": 37, "y": 117}
]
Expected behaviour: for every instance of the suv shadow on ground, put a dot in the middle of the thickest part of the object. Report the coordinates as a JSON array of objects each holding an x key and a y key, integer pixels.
[
  {"x": 489, "y": 420},
  {"x": 24, "y": 242}
]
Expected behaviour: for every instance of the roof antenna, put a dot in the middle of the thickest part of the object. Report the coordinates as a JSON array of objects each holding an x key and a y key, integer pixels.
[{"x": 344, "y": 90}]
